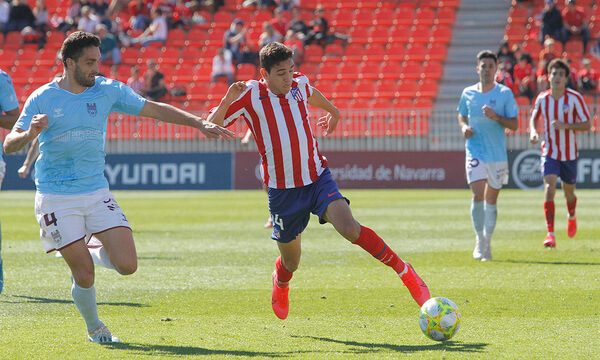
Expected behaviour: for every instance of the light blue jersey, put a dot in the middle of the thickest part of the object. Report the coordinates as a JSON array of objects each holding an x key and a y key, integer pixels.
[
  {"x": 8, "y": 97},
  {"x": 489, "y": 141},
  {"x": 71, "y": 159}
]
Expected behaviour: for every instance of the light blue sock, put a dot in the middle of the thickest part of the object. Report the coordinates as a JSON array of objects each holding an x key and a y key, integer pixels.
[
  {"x": 85, "y": 300},
  {"x": 1, "y": 268},
  {"x": 491, "y": 213},
  {"x": 478, "y": 216}
]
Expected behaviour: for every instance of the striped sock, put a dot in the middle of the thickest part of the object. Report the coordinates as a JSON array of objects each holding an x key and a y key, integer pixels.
[{"x": 374, "y": 245}]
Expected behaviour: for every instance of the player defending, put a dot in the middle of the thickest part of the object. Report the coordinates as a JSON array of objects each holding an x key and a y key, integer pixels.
[
  {"x": 275, "y": 109},
  {"x": 485, "y": 109},
  {"x": 564, "y": 111},
  {"x": 73, "y": 205},
  {"x": 9, "y": 113}
]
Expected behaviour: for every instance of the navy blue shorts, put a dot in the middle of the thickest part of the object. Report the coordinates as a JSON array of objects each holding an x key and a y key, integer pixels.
[
  {"x": 291, "y": 208},
  {"x": 566, "y": 170}
]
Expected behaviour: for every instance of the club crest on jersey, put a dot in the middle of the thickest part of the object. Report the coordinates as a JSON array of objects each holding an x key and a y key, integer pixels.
[
  {"x": 565, "y": 107},
  {"x": 91, "y": 109},
  {"x": 492, "y": 102},
  {"x": 296, "y": 94}
]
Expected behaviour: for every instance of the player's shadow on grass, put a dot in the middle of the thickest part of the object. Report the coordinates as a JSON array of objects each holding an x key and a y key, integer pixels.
[
  {"x": 538, "y": 262},
  {"x": 169, "y": 350},
  {"x": 451, "y": 346},
  {"x": 41, "y": 300}
]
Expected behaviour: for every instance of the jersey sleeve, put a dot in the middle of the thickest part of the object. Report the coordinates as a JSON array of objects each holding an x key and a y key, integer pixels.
[
  {"x": 537, "y": 109},
  {"x": 127, "y": 100},
  {"x": 581, "y": 109},
  {"x": 30, "y": 109},
  {"x": 511, "y": 109},
  {"x": 8, "y": 96},
  {"x": 238, "y": 107},
  {"x": 303, "y": 83}
]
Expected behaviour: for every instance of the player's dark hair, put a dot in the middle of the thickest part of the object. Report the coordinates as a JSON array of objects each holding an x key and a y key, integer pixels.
[
  {"x": 75, "y": 44},
  {"x": 274, "y": 53},
  {"x": 487, "y": 54},
  {"x": 559, "y": 64}
]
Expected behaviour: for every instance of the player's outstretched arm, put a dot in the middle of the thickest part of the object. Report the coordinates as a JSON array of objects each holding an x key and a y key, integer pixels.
[
  {"x": 578, "y": 126},
  {"x": 330, "y": 121},
  {"x": 235, "y": 91},
  {"x": 18, "y": 138},
  {"x": 171, "y": 114}
]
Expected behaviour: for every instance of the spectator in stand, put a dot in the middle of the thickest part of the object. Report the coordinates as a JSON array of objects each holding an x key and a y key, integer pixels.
[
  {"x": 100, "y": 9},
  {"x": 222, "y": 66},
  {"x": 297, "y": 24},
  {"x": 88, "y": 20},
  {"x": 541, "y": 75},
  {"x": 42, "y": 18},
  {"x": 136, "y": 82},
  {"x": 268, "y": 35},
  {"x": 109, "y": 47},
  {"x": 267, "y": 4},
  {"x": 576, "y": 23},
  {"x": 552, "y": 23},
  {"x": 524, "y": 77},
  {"x": 506, "y": 57},
  {"x": 548, "y": 53},
  {"x": 572, "y": 78},
  {"x": 288, "y": 5},
  {"x": 278, "y": 22},
  {"x": 4, "y": 14},
  {"x": 20, "y": 16},
  {"x": 33, "y": 36},
  {"x": 295, "y": 41},
  {"x": 155, "y": 83},
  {"x": 236, "y": 42},
  {"x": 317, "y": 29},
  {"x": 166, "y": 7},
  {"x": 139, "y": 13},
  {"x": 503, "y": 76},
  {"x": 588, "y": 78},
  {"x": 72, "y": 18},
  {"x": 156, "y": 32},
  {"x": 182, "y": 16}
]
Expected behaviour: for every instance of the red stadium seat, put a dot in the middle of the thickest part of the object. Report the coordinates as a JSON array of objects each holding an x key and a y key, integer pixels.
[
  {"x": 329, "y": 71},
  {"x": 176, "y": 37},
  {"x": 358, "y": 35},
  {"x": 217, "y": 90},
  {"x": 385, "y": 18},
  {"x": 27, "y": 57},
  {"x": 7, "y": 58},
  {"x": 196, "y": 38},
  {"x": 396, "y": 52},
  {"x": 325, "y": 87},
  {"x": 170, "y": 55},
  {"x": 343, "y": 18},
  {"x": 313, "y": 53},
  {"x": 420, "y": 34},
  {"x": 416, "y": 52},
  {"x": 149, "y": 53},
  {"x": 428, "y": 89},
  {"x": 412, "y": 70},
  {"x": 203, "y": 72},
  {"x": 425, "y": 16},
  {"x": 374, "y": 52},
  {"x": 215, "y": 37},
  {"x": 260, "y": 17},
  {"x": 364, "y": 18},
  {"x": 432, "y": 70},
  {"x": 445, "y": 16},
  {"x": 441, "y": 34},
  {"x": 198, "y": 92},
  {"x": 354, "y": 52},
  {"x": 47, "y": 57},
  {"x": 391, "y": 70},
  {"x": 387, "y": 89},
  {"x": 518, "y": 15},
  {"x": 208, "y": 53},
  {"x": 190, "y": 55},
  {"x": 366, "y": 89},
  {"x": 369, "y": 70},
  {"x": 222, "y": 19},
  {"x": 408, "y": 88},
  {"x": 13, "y": 40},
  {"x": 184, "y": 73},
  {"x": 130, "y": 56},
  {"x": 349, "y": 71},
  {"x": 405, "y": 16},
  {"x": 379, "y": 35},
  {"x": 400, "y": 34},
  {"x": 515, "y": 34},
  {"x": 344, "y": 89},
  {"x": 437, "y": 52},
  {"x": 245, "y": 72},
  {"x": 333, "y": 51}
]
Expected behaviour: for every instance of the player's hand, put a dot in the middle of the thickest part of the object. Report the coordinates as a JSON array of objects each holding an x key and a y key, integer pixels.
[
  {"x": 488, "y": 112},
  {"x": 235, "y": 90},
  {"x": 39, "y": 122},
  {"x": 559, "y": 125},
  {"x": 467, "y": 132},
  {"x": 23, "y": 171},
  {"x": 214, "y": 131},
  {"x": 329, "y": 122},
  {"x": 534, "y": 138}
]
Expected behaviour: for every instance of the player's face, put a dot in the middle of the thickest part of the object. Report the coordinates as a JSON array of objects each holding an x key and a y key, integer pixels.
[
  {"x": 486, "y": 68},
  {"x": 557, "y": 78},
  {"x": 279, "y": 79},
  {"x": 86, "y": 67}
]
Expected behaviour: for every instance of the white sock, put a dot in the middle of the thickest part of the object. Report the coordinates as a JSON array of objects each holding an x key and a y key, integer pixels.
[
  {"x": 101, "y": 258},
  {"x": 85, "y": 300},
  {"x": 491, "y": 214},
  {"x": 478, "y": 217}
]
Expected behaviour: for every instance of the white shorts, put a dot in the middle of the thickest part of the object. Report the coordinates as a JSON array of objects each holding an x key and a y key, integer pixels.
[
  {"x": 64, "y": 219},
  {"x": 496, "y": 172},
  {"x": 2, "y": 171}
]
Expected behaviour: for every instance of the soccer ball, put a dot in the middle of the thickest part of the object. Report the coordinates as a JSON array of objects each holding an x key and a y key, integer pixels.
[{"x": 439, "y": 319}]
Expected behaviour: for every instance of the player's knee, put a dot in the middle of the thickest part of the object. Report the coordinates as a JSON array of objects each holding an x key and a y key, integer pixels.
[
  {"x": 351, "y": 231},
  {"x": 127, "y": 268},
  {"x": 291, "y": 265},
  {"x": 84, "y": 279}
]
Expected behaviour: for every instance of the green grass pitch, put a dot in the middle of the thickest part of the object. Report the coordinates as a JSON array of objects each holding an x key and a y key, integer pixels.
[{"x": 203, "y": 285}]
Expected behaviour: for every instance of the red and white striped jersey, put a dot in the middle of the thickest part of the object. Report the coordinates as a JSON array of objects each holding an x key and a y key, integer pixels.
[
  {"x": 280, "y": 125},
  {"x": 560, "y": 144}
]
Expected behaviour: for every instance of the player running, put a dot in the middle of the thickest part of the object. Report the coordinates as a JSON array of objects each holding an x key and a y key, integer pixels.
[
  {"x": 484, "y": 111},
  {"x": 73, "y": 205},
  {"x": 564, "y": 111},
  {"x": 9, "y": 105},
  {"x": 275, "y": 109}
]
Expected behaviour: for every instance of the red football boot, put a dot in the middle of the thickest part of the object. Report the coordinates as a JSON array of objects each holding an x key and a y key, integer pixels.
[
  {"x": 417, "y": 287},
  {"x": 549, "y": 241},
  {"x": 279, "y": 299},
  {"x": 571, "y": 227}
]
